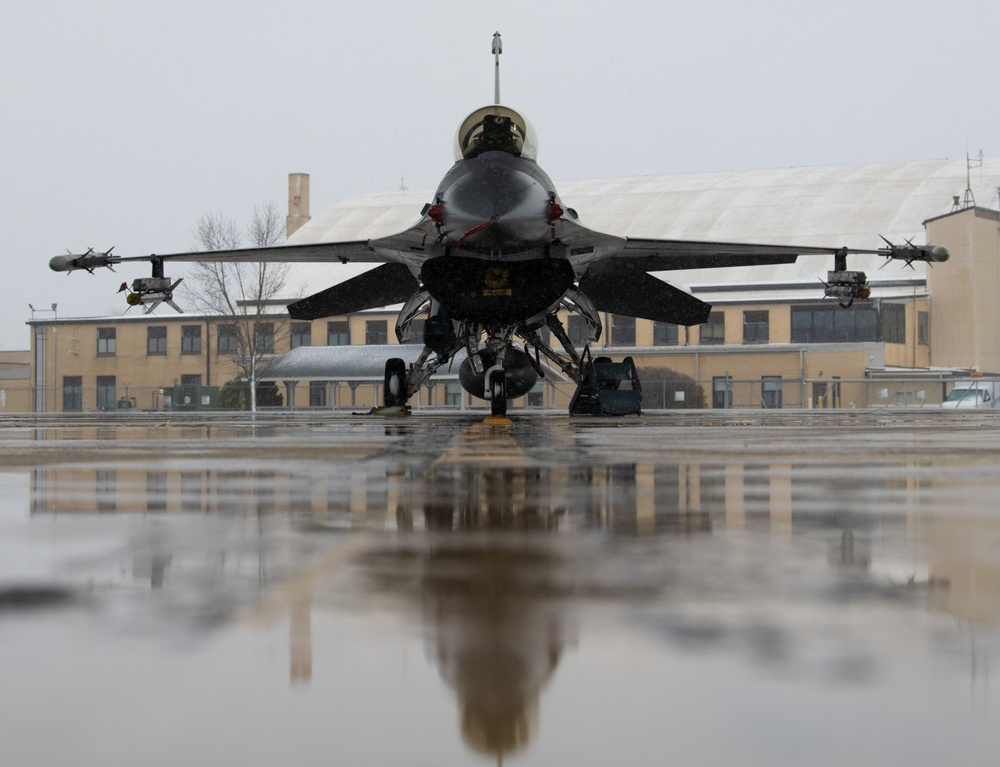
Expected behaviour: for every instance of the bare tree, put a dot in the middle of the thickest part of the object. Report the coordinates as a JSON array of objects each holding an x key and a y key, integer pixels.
[{"x": 239, "y": 292}]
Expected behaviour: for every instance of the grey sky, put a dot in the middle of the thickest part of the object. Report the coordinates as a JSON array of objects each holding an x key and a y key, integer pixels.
[{"x": 123, "y": 122}]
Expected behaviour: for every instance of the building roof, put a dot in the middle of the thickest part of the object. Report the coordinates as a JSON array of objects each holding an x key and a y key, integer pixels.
[
  {"x": 359, "y": 363},
  {"x": 341, "y": 363},
  {"x": 825, "y": 206}
]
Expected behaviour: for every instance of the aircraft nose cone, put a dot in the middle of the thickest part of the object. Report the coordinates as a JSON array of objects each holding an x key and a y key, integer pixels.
[{"x": 496, "y": 208}]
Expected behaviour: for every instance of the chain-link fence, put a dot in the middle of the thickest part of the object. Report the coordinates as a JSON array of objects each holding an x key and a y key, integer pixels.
[{"x": 909, "y": 391}]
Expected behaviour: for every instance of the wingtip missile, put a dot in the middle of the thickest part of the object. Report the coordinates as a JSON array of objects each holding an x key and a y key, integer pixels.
[
  {"x": 89, "y": 261},
  {"x": 910, "y": 252}
]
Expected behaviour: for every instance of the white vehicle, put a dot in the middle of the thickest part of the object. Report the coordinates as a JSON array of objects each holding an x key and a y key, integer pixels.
[{"x": 978, "y": 393}]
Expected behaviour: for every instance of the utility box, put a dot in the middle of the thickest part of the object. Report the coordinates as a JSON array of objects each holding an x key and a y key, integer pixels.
[{"x": 182, "y": 398}]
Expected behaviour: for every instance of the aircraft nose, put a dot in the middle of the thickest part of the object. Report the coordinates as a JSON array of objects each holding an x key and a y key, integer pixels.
[{"x": 496, "y": 208}]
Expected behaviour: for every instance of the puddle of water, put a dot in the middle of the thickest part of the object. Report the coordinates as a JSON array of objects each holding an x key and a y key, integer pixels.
[{"x": 553, "y": 592}]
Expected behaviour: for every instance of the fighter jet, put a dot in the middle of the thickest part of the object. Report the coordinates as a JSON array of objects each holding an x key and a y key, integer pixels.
[{"x": 494, "y": 258}]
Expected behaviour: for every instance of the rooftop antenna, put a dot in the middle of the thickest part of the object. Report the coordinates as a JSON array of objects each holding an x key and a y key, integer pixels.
[
  {"x": 969, "y": 200},
  {"x": 497, "y": 50}
]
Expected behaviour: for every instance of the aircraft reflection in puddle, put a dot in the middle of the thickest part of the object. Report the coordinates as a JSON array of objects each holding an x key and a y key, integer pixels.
[
  {"x": 495, "y": 613},
  {"x": 493, "y": 580}
]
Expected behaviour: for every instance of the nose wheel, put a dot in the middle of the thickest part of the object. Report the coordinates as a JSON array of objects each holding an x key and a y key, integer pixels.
[{"x": 497, "y": 385}]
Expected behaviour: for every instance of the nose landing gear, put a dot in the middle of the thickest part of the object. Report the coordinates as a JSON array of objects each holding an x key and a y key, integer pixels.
[{"x": 496, "y": 387}]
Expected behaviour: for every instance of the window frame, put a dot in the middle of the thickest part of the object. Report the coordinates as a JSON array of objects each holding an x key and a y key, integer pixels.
[
  {"x": 227, "y": 338},
  {"x": 376, "y": 332},
  {"x": 108, "y": 338},
  {"x": 190, "y": 341},
  {"x": 300, "y": 334},
  {"x": 156, "y": 340},
  {"x": 72, "y": 394},
  {"x": 263, "y": 337},
  {"x": 622, "y": 330},
  {"x": 713, "y": 333},
  {"x": 339, "y": 330},
  {"x": 667, "y": 329},
  {"x": 106, "y": 385},
  {"x": 756, "y": 326}
]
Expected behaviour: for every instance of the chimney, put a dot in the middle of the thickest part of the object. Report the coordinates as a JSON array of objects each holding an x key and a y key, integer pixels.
[{"x": 298, "y": 202}]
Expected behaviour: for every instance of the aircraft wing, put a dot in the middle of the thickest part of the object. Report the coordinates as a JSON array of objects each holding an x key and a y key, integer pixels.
[
  {"x": 599, "y": 253},
  {"x": 614, "y": 270},
  {"x": 393, "y": 282},
  {"x": 408, "y": 246}
]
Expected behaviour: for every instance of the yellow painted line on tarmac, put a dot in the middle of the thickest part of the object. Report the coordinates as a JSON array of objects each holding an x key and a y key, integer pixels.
[
  {"x": 488, "y": 443},
  {"x": 497, "y": 420}
]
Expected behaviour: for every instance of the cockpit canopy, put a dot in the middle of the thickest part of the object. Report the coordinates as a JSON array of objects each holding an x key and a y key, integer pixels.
[{"x": 495, "y": 128}]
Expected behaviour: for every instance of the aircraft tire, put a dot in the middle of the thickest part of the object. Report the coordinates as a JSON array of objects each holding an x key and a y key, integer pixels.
[
  {"x": 394, "y": 394},
  {"x": 498, "y": 392}
]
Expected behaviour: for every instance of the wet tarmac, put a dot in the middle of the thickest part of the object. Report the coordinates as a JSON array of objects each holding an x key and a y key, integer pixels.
[{"x": 711, "y": 588}]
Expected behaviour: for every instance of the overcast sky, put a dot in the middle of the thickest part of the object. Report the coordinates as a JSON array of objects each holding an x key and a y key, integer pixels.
[{"x": 123, "y": 122}]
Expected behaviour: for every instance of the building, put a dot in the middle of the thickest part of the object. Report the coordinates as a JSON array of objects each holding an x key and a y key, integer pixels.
[{"x": 771, "y": 340}]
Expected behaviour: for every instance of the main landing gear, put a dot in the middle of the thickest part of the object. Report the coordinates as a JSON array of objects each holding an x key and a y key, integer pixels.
[
  {"x": 394, "y": 393},
  {"x": 395, "y": 382}
]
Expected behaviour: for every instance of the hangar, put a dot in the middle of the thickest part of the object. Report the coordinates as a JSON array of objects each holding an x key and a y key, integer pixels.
[{"x": 771, "y": 340}]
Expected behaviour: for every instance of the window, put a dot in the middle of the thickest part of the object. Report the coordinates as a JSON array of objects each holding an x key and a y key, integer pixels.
[
  {"x": 191, "y": 379},
  {"x": 535, "y": 397},
  {"x": 894, "y": 323},
  {"x": 722, "y": 392},
  {"x": 338, "y": 333},
  {"x": 665, "y": 334},
  {"x": 156, "y": 339},
  {"x": 263, "y": 337},
  {"x": 190, "y": 339},
  {"x": 106, "y": 397},
  {"x": 317, "y": 393},
  {"x": 819, "y": 394},
  {"x": 453, "y": 395},
  {"x": 106, "y": 340},
  {"x": 227, "y": 338},
  {"x": 771, "y": 391},
  {"x": 714, "y": 330},
  {"x": 755, "y": 327},
  {"x": 578, "y": 331},
  {"x": 72, "y": 393},
  {"x": 622, "y": 330},
  {"x": 107, "y": 490},
  {"x": 833, "y": 324},
  {"x": 156, "y": 491},
  {"x": 301, "y": 334},
  {"x": 191, "y": 491},
  {"x": 923, "y": 328},
  {"x": 376, "y": 332}
]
